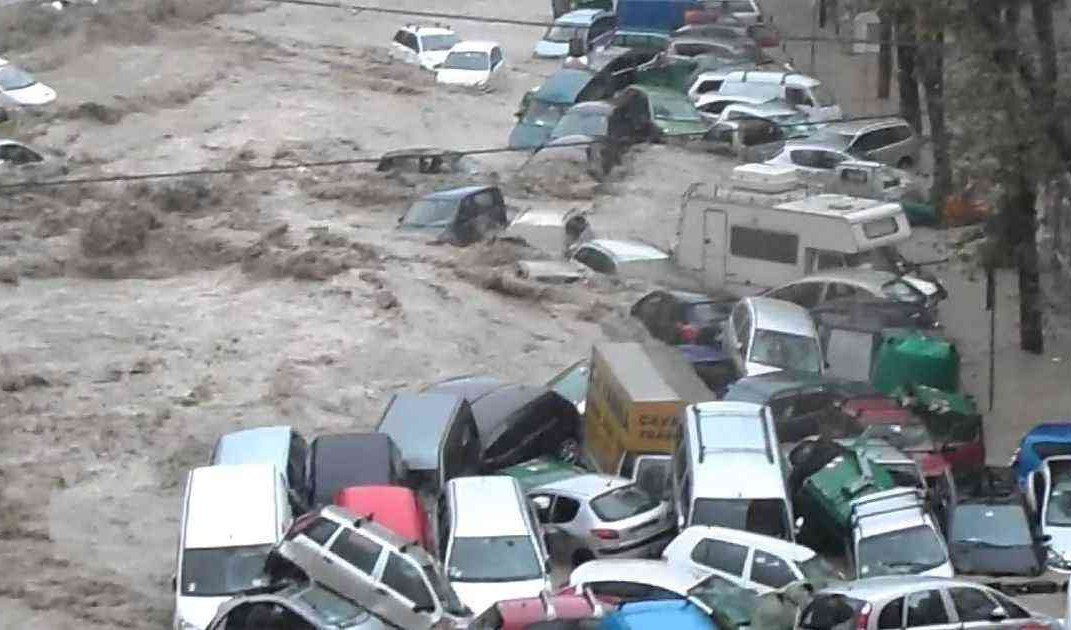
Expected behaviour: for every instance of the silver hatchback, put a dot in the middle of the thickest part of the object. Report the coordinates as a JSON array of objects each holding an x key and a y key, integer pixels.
[
  {"x": 600, "y": 516},
  {"x": 916, "y": 602}
]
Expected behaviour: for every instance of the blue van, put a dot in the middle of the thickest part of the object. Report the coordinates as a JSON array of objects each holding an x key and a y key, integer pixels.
[{"x": 678, "y": 614}]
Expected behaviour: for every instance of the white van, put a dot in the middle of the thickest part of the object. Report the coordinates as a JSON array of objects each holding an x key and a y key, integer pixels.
[
  {"x": 727, "y": 470},
  {"x": 231, "y": 517},
  {"x": 491, "y": 542},
  {"x": 799, "y": 90}
]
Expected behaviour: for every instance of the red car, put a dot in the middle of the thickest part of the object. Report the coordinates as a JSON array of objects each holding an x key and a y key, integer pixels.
[
  {"x": 393, "y": 507},
  {"x": 518, "y": 614}
]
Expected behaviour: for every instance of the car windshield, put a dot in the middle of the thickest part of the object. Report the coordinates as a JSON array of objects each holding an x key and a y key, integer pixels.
[
  {"x": 991, "y": 525},
  {"x": 514, "y": 559},
  {"x": 621, "y": 503},
  {"x": 543, "y": 114},
  {"x": 223, "y": 571},
  {"x": 581, "y": 123},
  {"x": 674, "y": 109},
  {"x": 786, "y": 351},
  {"x": 443, "y": 591},
  {"x": 823, "y": 97},
  {"x": 331, "y": 607},
  {"x": 572, "y": 384},
  {"x": 439, "y": 42},
  {"x": 467, "y": 60},
  {"x": 902, "y": 292},
  {"x": 905, "y": 437},
  {"x": 15, "y": 78},
  {"x": 431, "y": 213},
  {"x": 912, "y": 550},
  {"x": 795, "y": 125},
  {"x": 562, "y": 34},
  {"x": 652, "y": 475},
  {"x": 761, "y": 516},
  {"x": 818, "y": 570},
  {"x": 1058, "y": 509}
]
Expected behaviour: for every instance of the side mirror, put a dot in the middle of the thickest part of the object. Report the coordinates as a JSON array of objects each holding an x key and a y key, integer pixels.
[
  {"x": 998, "y": 614},
  {"x": 541, "y": 502}
]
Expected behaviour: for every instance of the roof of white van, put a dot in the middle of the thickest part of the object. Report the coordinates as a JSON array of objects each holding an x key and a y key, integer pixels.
[
  {"x": 499, "y": 491},
  {"x": 854, "y": 209},
  {"x": 736, "y": 444},
  {"x": 231, "y": 506},
  {"x": 766, "y": 76},
  {"x": 782, "y": 316},
  {"x": 712, "y": 474}
]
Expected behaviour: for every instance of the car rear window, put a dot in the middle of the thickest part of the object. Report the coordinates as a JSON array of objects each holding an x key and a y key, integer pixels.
[
  {"x": 622, "y": 503},
  {"x": 831, "y": 612}
]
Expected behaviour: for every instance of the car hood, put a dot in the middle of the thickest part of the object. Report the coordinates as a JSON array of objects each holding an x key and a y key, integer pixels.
[
  {"x": 432, "y": 58},
  {"x": 34, "y": 94},
  {"x": 543, "y": 48},
  {"x": 985, "y": 560},
  {"x": 198, "y": 610},
  {"x": 469, "y": 78},
  {"x": 479, "y": 596},
  {"x": 529, "y": 136}
]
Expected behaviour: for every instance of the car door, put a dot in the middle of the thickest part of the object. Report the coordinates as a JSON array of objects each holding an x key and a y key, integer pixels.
[
  {"x": 556, "y": 514},
  {"x": 927, "y": 610},
  {"x": 721, "y": 557},
  {"x": 768, "y": 571},
  {"x": 403, "y": 580},
  {"x": 978, "y": 611}
]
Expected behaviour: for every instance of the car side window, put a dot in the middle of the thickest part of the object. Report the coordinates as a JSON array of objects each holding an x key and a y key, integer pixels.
[
  {"x": 805, "y": 294},
  {"x": 770, "y": 570},
  {"x": 971, "y": 604},
  {"x": 648, "y": 306},
  {"x": 867, "y": 142},
  {"x": 798, "y": 96},
  {"x": 708, "y": 86},
  {"x": 925, "y": 608},
  {"x": 840, "y": 290},
  {"x": 900, "y": 133},
  {"x": 321, "y": 530},
  {"x": 1014, "y": 610},
  {"x": 564, "y": 510},
  {"x": 721, "y": 555},
  {"x": 358, "y": 550},
  {"x": 496, "y": 56},
  {"x": 412, "y": 42},
  {"x": 404, "y": 578},
  {"x": 399, "y": 38},
  {"x": 892, "y": 616},
  {"x": 805, "y": 157}
]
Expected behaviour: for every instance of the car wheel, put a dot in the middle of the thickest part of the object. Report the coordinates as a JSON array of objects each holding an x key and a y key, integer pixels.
[
  {"x": 905, "y": 163},
  {"x": 581, "y": 556}
]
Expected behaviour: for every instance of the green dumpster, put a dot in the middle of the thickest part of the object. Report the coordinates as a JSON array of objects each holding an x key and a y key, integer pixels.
[
  {"x": 541, "y": 471},
  {"x": 908, "y": 358},
  {"x": 827, "y": 495}
]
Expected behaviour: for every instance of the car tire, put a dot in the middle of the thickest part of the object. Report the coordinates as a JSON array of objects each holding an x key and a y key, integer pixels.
[
  {"x": 580, "y": 556},
  {"x": 905, "y": 163}
]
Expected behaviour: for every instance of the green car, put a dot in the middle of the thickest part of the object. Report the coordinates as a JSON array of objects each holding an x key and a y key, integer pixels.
[
  {"x": 671, "y": 111},
  {"x": 541, "y": 471}
]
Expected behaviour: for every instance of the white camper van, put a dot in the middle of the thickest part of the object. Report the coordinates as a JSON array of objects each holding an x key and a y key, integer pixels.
[{"x": 764, "y": 230}]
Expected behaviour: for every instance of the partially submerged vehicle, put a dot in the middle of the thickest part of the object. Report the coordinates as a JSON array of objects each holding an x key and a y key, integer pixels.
[
  {"x": 553, "y": 231},
  {"x": 342, "y": 460},
  {"x": 461, "y": 215},
  {"x": 541, "y": 108},
  {"x": 473, "y": 65},
  {"x": 624, "y": 259},
  {"x": 436, "y": 434},
  {"x": 424, "y": 46},
  {"x": 19, "y": 87}
]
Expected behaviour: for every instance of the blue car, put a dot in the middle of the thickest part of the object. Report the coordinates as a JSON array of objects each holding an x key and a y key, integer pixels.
[
  {"x": 677, "y": 614},
  {"x": 1044, "y": 440}
]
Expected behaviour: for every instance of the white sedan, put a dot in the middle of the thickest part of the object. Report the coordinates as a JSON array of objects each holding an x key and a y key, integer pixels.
[
  {"x": 21, "y": 88},
  {"x": 472, "y": 64}
]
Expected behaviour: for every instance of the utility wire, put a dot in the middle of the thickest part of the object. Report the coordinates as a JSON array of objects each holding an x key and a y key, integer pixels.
[{"x": 289, "y": 166}]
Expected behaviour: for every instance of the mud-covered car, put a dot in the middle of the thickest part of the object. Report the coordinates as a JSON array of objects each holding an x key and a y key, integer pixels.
[
  {"x": 19, "y": 162},
  {"x": 460, "y": 215}
]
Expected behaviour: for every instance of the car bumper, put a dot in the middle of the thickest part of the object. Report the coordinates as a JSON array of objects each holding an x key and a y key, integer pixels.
[{"x": 642, "y": 548}]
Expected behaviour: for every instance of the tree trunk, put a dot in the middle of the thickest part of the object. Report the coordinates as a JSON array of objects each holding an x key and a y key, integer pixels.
[
  {"x": 885, "y": 53},
  {"x": 905, "y": 61},
  {"x": 933, "y": 79},
  {"x": 1023, "y": 213}
]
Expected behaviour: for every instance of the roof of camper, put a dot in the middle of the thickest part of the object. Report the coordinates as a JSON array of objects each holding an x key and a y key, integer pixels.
[{"x": 854, "y": 209}]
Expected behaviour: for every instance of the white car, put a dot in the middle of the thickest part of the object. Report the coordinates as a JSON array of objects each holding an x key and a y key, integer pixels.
[
  {"x": 1051, "y": 484},
  {"x": 424, "y": 46},
  {"x": 753, "y": 561},
  {"x": 472, "y": 64},
  {"x": 21, "y": 88},
  {"x": 765, "y": 335}
]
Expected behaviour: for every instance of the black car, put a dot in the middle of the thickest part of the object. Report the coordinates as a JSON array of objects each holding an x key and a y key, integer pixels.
[
  {"x": 343, "y": 460},
  {"x": 516, "y": 422},
  {"x": 460, "y": 216},
  {"x": 992, "y": 532},
  {"x": 681, "y": 317}
]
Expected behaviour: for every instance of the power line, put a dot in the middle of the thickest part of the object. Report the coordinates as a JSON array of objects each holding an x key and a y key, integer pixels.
[{"x": 289, "y": 166}]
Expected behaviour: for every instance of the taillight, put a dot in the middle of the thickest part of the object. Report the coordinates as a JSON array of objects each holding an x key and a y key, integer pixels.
[
  {"x": 605, "y": 534},
  {"x": 689, "y": 333},
  {"x": 863, "y": 618}
]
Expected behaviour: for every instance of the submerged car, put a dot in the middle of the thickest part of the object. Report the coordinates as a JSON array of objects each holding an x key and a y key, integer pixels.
[
  {"x": 21, "y": 88},
  {"x": 472, "y": 64},
  {"x": 627, "y": 259},
  {"x": 425, "y": 46},
  {"x": 24, "y": 163},
  {"x": 670, "y": 111},
  {"x": 541, "y": 108},
  {"x": 681, "y": 317},
  {"x": 766, "y": 335},
  {"x": 461, "y": 215}
]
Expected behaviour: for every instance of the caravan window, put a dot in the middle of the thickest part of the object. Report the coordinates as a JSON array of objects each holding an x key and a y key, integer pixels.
[
  {"x": 779, "y": 247},
  {"x": 880, "y": 227}
]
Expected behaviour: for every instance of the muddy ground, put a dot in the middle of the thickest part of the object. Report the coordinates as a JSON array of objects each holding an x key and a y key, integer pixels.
[{"x": 138, "y": 321}]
